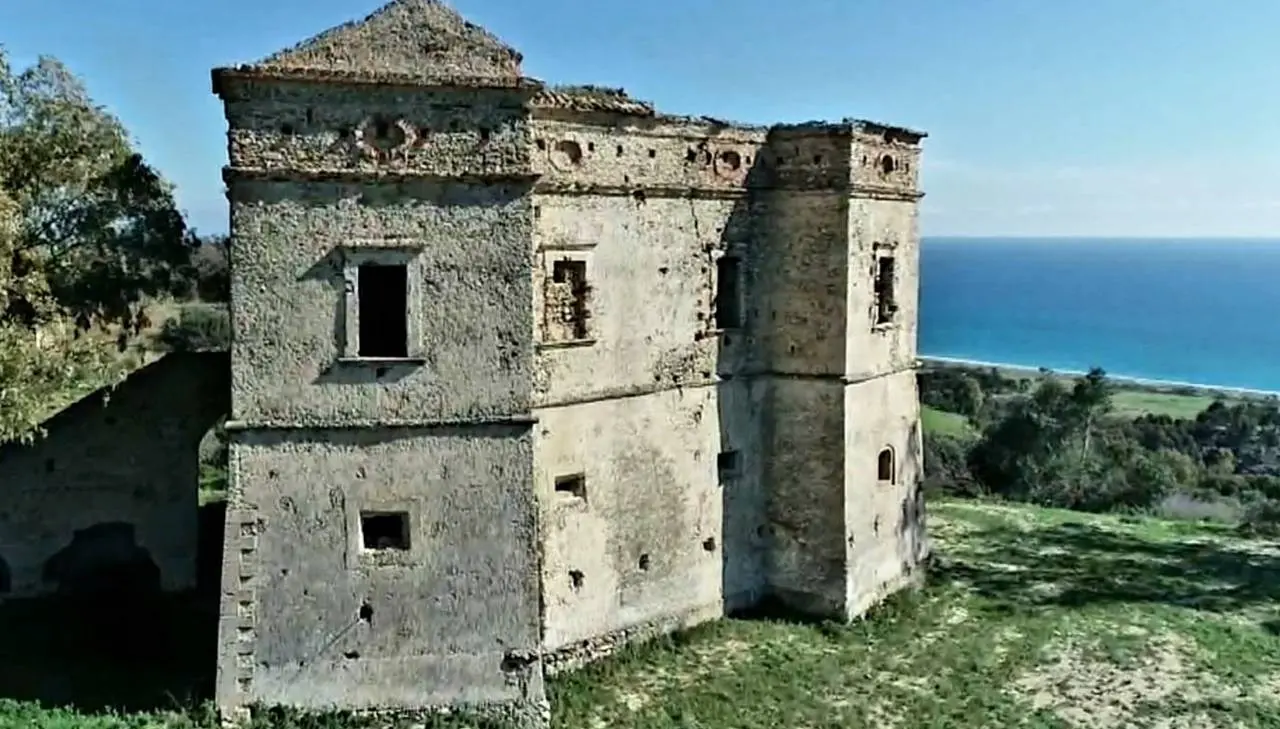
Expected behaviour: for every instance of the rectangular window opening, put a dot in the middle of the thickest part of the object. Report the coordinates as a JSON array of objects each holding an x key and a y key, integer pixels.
[
  {"x": 728, "y": 463},
  {"x": 383, "y": 296},
  {"x": 574, "y": 485},
  {"x": 728, "y": 304},
  {"x": 384, "y": 530},
  {"x": 886, "y": 306},
  {"x": 573, "y": 311}
]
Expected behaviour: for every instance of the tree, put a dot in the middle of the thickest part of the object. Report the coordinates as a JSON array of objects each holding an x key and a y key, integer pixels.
[{"x": 88, "y": 231}]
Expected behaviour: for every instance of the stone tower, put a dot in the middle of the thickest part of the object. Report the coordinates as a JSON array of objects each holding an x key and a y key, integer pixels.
[{"x": 522, "y": 373}]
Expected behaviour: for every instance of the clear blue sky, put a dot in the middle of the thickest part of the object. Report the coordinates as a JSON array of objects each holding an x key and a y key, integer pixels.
[{"x": 1090, "y": 117}]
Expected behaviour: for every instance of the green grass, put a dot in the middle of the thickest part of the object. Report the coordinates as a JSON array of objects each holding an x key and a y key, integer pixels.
[
  {"x": 1033, "y": 618},
  {"x": 942, "y": 422},
  {"x": 1132, "y": 403}
]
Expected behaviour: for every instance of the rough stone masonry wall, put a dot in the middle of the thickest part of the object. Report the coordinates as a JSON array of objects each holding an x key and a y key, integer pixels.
[
  {"x": 114, "y": 480},
  {"x": 325, "y": 178},
  {"x": 660, "y": 531}
]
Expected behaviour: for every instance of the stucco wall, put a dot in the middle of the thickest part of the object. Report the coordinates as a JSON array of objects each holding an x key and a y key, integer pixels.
[
  {"x": 324, "y": 178},
  {"x": 651, "y": 271},
  {"x": 445, "y": 621},
  {"x": 470, "y": 293},
  {"x": 130, "y": 458},
  {"x": 663, "y": 529},
  {"x": 885, "y": 519},
  {"x": 882, "y": 227}
]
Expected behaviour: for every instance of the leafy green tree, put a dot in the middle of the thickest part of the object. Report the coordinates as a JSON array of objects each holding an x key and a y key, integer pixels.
[{"x": 88, "y": 231}]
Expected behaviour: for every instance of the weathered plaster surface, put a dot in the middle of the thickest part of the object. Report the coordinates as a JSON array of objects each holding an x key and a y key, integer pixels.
[
  {"x": 470, "y": 271},
  {"x": 126, "y": 456},
  {"x": 335, "y": 624},
  {"x": 887, "y": 542}
]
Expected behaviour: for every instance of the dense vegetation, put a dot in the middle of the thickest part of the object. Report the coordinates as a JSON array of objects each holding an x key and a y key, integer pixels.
[
  {"x": 1058, "y": 442},
  {"x": 90, "y": 240}
]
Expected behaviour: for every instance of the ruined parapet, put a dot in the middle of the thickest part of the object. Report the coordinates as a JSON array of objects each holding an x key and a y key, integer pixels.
[{"x": 885, "y": 159}]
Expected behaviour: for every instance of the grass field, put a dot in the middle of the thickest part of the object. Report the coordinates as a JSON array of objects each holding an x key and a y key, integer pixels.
[
  {"x": 1132, "y": 403},
  {"x": 1033, "y": 618},
  {"x": 942, "y": 422}
]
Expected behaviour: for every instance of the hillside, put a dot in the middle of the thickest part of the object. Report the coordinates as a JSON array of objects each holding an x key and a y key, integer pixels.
[{"x": 1033, "y": 617}]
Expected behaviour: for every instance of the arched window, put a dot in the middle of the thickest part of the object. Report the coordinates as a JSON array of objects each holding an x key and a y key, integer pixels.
[{"x": 886, "y": 471}]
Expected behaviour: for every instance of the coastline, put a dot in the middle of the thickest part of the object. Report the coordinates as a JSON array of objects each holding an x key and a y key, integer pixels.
[{"x": 1130, "y": 380}]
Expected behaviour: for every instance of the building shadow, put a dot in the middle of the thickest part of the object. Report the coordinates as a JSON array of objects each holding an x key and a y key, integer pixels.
[
  {"x": 118, "y": 649},
  {"x": 1090, "y": 565}
]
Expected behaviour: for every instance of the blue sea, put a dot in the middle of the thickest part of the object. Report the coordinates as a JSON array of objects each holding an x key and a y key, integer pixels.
[{"x": 1196, "y": 311}]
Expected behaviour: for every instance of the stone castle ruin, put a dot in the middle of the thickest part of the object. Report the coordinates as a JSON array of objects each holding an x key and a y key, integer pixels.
[{"x": 520, "y": 373}]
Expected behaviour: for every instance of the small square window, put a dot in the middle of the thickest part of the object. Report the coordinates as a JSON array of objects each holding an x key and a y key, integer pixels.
[
  {"x": 382, "y": 530},
  {"x": 574, "y": 485},
  {"x": 728, "y": 463}
]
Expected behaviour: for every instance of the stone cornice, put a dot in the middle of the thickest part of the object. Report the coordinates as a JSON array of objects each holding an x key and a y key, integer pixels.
[
  {"x": 427, "y": 82},
  {"x": 544, "y": 186},
  {"x": 234, "y": 174},
  {"x": 550, "y": 187}
]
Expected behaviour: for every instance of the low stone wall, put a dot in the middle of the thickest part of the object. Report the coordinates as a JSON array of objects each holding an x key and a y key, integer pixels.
[{"x": 108, "y": 498}]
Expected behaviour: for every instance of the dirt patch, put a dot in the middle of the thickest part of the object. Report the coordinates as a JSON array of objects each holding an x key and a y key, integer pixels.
[{"x": 1089, "y": 692}]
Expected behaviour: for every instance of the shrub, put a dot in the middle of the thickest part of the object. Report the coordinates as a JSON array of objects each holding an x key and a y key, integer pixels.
[
  {"x": 946, "y": 469},
  {"x": 198, "y": 328},
  {"x": 1262, "y": 518},
  {"x": 1185, "y": 506}
]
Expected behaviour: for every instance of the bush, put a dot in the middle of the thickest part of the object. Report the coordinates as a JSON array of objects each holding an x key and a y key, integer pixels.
[
  {"x": 198, "y": 328},
  {"x": 946, "y": 469},
  {"x": 1262, "y": 518},
  {"x": 1186, "y": 506}
]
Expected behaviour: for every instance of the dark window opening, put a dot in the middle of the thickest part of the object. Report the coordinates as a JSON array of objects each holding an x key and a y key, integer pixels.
[
  {"x": 574, "y": 485},
  {"x": 384, "y": 530},
  {"x": 886, "y": 306},
  {"x": 727, "y": 463},
  {"x": 383, "y": 316},
  {"x": 884, "y": 466},
  {"x": 886, "y": 164},
  {"x": 574, "y": 275},
  {"x": 728, "y": 293}
]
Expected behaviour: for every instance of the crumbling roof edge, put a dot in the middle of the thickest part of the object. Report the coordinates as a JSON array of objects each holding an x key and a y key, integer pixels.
[
  {"x": 875, "y": 127},
  {"x": 222, "y": 74}
]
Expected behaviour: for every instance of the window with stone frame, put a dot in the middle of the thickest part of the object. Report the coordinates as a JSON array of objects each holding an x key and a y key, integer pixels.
[
  {"x": 886, "y": 304},
  {"x": 568, "y": 301}
]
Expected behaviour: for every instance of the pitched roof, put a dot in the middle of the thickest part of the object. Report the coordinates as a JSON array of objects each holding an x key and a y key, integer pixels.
[{"x": 423, "y": 40}]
